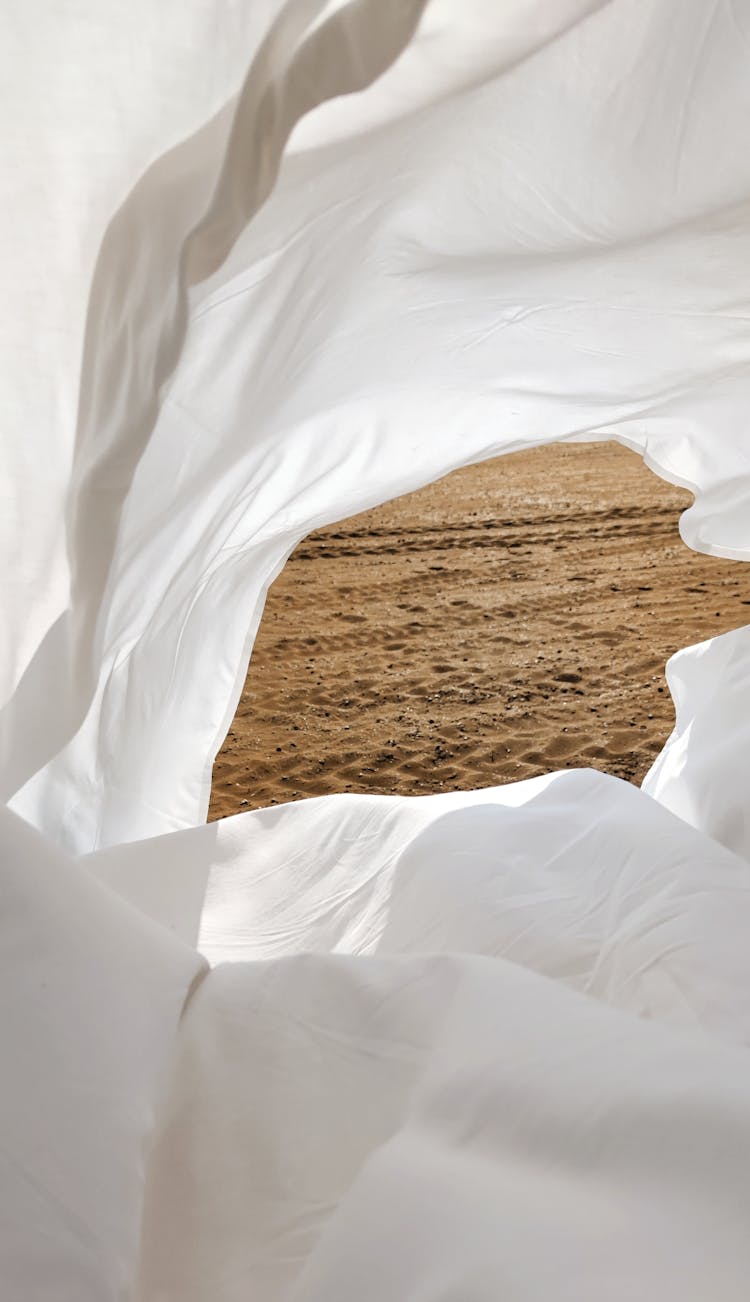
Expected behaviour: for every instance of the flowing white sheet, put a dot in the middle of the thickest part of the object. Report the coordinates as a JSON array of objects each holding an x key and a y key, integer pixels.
[
  {"x": 702, "y": 772},
  {"x": 473, "y": 275},
  {"x": 443, "y": 1127},
  {"x": 90, "y": 1000},
  {"x": 481, "y": 1045}
]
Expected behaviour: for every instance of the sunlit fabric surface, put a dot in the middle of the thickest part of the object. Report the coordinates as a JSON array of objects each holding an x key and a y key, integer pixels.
[{"x": 265, "y": 265}]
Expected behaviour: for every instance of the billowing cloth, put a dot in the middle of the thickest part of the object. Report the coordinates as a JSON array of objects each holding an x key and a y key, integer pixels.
[
  {"x": 442, "y": 1127},
  {"x": 91, "y": 997},
  {"x": 701, "y": 773},
  {"x": 265, "y": 265},
  {"x": 548, "y": 249}
]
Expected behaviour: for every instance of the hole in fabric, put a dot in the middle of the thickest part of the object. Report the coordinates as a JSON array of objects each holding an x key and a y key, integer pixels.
[{"x": 513, "y": 618}]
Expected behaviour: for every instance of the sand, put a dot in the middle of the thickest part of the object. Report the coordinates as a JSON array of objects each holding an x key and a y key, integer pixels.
[{"x": 513, "y": 618}]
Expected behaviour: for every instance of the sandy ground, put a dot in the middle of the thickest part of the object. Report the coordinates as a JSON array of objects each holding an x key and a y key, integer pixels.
[{"x": 513, "y": 618}]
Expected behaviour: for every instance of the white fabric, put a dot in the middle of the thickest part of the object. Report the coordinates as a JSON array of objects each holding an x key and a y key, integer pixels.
[
  {"x": 91, "y": 996},
  {"x": 443, "y": 1127},
  {"x": 578, "y": 876},
  {"x": 402, "y": 304},
  {"x": 702, "y": 772},
  {"x": 488, "y": 1044}
]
